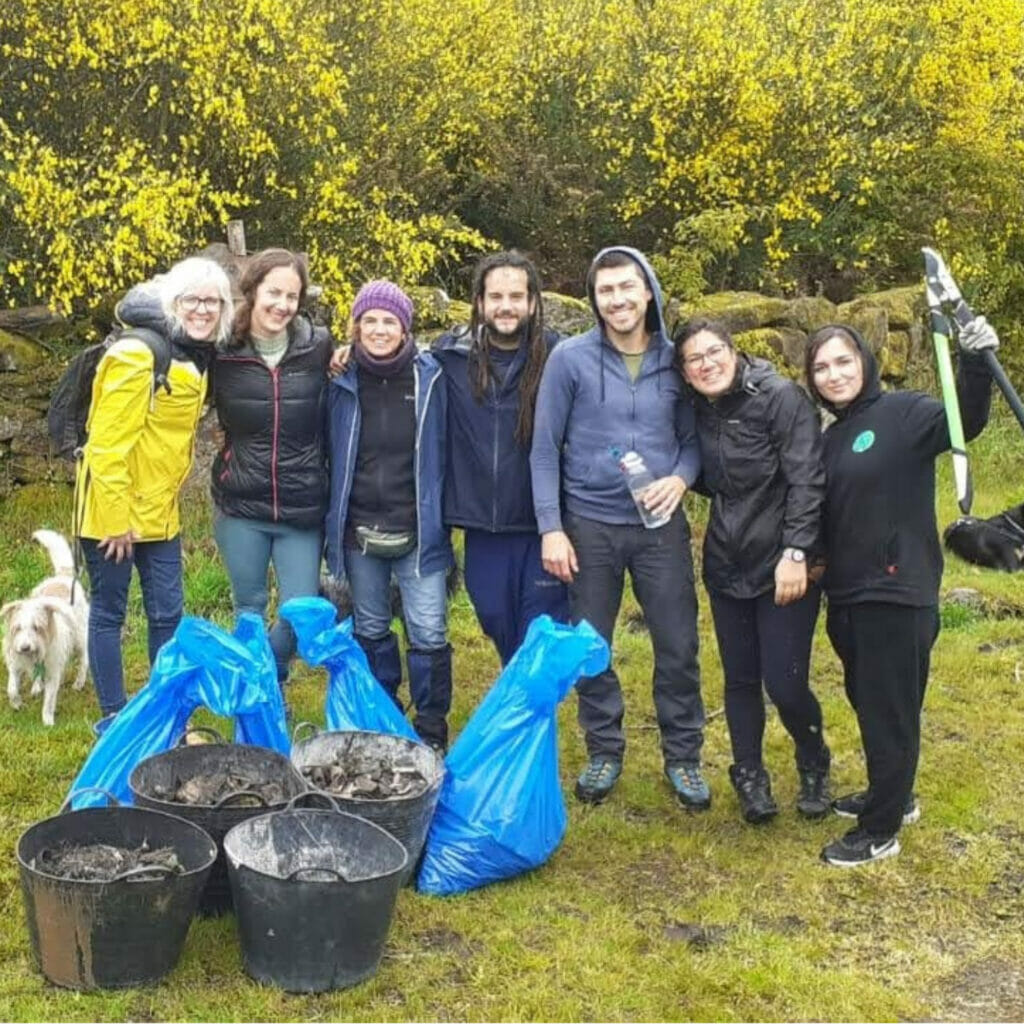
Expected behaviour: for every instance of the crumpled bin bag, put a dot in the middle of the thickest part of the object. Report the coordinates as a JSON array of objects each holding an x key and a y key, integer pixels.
[
  {"x": 355, "y": 700},
  {"x": 200, "y": 666},
  {"x": 501, "y": 810}
]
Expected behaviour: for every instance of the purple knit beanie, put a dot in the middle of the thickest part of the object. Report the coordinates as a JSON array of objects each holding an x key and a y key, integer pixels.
[{"x": 384, "y": 295}]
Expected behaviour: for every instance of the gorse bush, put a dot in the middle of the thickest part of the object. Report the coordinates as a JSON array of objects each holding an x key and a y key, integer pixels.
[{"x": 787, "y": 145}]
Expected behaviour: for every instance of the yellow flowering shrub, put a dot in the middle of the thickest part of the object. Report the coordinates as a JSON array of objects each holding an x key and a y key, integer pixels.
[{"x": 780, "y": 144}]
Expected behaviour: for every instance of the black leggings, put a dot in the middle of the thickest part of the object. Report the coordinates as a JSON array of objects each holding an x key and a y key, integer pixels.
[
  {"x": 762, "y": 642},
  {"x": 885, "y": 650}
]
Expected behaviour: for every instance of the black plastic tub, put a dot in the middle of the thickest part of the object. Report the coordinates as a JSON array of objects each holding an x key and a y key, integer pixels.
[
  {"x": 406, "y": 818},
  {"x": 162, "y": 773},
  {"x": 314, "y": 894},
  {"x": 120, "y": 933}
]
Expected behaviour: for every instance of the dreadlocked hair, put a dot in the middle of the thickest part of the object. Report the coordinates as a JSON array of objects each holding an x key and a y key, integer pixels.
[{"x": 480, "y": 372}]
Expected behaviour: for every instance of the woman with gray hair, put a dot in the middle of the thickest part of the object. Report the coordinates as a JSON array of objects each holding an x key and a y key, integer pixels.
[{"x": 141, "y": 439}]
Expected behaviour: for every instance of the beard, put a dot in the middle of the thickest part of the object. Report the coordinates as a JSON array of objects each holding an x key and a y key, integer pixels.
[{"x": 505, "y": 338}]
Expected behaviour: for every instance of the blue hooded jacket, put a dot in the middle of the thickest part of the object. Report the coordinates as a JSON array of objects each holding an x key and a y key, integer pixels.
[
  {"x": 487, "y": 483},
  {"x": 433, "y": 550},
  {"x": 589, "y": 404}
]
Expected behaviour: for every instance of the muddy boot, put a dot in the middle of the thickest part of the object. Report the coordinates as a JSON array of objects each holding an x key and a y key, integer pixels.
[
  {"x": 815, "y": 799},
  {"x": 430, "y": 683},
  {"x": 385, "y": 663},
  {"x": 754, "y": 789}
]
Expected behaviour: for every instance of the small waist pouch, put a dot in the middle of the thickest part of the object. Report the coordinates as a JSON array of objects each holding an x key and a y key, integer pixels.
[{"x": 383, "y": 544}]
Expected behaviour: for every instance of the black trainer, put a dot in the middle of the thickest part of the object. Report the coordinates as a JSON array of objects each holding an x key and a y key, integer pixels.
[
  {"x": 814, "y": 800},
  {"x": 859, "y": 847},
  {"x": 851, "y": 806},
  {"x": 754, "y": 789}
]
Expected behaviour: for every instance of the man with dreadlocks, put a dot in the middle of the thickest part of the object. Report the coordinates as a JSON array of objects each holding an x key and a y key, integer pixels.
[{"x": 492, "y": 368}]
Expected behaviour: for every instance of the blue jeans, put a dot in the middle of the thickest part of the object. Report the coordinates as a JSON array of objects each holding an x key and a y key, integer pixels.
[
  {"x": 424, "y": 601},
  {"x": 248, "y": 547},
  {"x": 159, "y": 566}
]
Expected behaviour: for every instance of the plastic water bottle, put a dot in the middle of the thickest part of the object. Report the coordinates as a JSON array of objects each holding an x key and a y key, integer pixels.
[{"x": 638, "y": 479}]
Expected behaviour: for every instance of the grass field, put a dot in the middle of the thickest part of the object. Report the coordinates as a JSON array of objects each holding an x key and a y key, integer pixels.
[{"x": 645, "y": 913}]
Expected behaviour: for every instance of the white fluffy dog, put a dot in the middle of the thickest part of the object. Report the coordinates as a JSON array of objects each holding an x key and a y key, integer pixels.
[{"x": 45, "y": 629}]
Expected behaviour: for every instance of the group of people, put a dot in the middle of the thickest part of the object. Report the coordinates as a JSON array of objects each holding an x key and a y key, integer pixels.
[{"x": 367, "y": 456}]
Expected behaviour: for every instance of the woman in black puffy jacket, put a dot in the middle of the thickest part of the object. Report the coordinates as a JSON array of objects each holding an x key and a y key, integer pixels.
[
  {"x": 269, "y": 479},
  {"x": 760, "y": 445}
]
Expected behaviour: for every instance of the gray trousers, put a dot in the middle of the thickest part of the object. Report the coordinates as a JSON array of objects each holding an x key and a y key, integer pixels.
[{"x": 661, "y": 568}]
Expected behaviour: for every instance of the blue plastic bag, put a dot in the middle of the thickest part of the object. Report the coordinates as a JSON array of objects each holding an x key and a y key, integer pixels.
[
  {"x": 355, "y": 700},
  {"x": 201, "y": 665},
  {"x": 501, "y": 810}
]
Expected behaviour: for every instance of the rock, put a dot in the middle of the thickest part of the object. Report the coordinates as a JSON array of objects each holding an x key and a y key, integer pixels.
[
  {"x": 30, "y": 319},
  {"x": 738, "y": 311},
  {"x": 903, "y": 306},
  {"x": 783, "y": 346},
  {"x": 870, "y": 320},
  {"x": 966, "y": 597},
  {"x": 807, "y": 314},
  {"x": 566, "y": 314},
  {"x": 20, "y": 354},
  {"x": 895, "y": 355}
]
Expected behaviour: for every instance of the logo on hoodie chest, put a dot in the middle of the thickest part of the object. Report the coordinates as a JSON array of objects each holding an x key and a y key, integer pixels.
[{"x": 863, "y": 441}]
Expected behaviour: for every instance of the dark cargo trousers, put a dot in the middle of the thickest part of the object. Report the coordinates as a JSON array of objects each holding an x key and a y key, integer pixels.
[
  {"x": 661, "y": 568},
  {"x": 885, "y": 650}
]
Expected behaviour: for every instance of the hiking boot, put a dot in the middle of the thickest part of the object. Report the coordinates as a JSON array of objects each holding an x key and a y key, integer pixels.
[
  {"x": 688, "y": 785},
  {"x": 852, "y": 805},
  {"x": 814, "y": 800},
  {"x": 859, "y": 847},
  {"x": 598, "y": 779},
  {"x": 754, "y": 789}
]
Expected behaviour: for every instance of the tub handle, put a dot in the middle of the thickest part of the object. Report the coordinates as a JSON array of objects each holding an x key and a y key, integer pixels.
[
  {"x": 144, "y": 869},
  {"x": 294, "y": 876},
  {"x": 112, "y": 800},
  {"x": 298, "y": 733},
  {"x": 201, "y": 730},
  {"x": 225, "y": 801},
  {"x": 312, "y": 794}
]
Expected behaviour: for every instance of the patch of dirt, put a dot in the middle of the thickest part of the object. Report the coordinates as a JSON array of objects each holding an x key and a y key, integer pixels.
[
  {"x": 447, "y": 940},
  {"x": 696, "y": 936},
  {"x": 990, "y": 989},
  {"x": 100, "y": 862},
  {"x": 788, "y": 924}
]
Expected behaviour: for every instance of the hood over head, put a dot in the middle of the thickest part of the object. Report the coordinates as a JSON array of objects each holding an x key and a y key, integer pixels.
[
  {"x": 872, "y": 386},
  {"x": 654, "y": 320}
]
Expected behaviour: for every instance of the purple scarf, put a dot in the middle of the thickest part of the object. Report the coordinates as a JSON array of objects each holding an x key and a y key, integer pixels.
[{"x": 389, "y": 366}]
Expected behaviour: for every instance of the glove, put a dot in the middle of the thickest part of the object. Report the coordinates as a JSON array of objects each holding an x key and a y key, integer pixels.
[{"x": 978, "y": 336}]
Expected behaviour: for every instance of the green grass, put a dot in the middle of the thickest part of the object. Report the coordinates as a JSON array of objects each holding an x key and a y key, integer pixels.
[{"x": 644, "y": 913}]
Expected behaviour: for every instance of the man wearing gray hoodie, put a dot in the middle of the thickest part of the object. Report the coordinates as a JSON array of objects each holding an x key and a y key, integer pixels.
[{"x": 611, "y": 390}]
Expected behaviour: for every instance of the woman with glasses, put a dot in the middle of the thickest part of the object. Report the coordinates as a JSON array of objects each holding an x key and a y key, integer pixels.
[
  {"x": 269, "y": 478},
  {"x": 760, "y": 445},
  {"x": 141, "y": 439}
]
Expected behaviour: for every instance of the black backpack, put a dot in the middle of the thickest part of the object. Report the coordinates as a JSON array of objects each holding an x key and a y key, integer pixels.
[{"x": 69, "y": 404}]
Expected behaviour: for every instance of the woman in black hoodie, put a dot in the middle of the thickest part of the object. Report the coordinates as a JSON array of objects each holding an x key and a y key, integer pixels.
[
  {"x": 884, "y": 562},
  {"x": 760, "y": 446}
]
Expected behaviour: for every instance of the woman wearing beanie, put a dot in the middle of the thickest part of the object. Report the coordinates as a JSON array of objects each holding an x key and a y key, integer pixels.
[
  {"x": 269, "y": 480},
  {"x": 884, "y": 562},
  {"x": 386, "y": 430}
]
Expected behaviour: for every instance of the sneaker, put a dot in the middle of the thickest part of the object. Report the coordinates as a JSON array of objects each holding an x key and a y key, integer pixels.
[
  {"x": 598, "y": 779},
  {"x": 852, "y": 805},
  {"x": 754, "y": 789},
  {"x": 859, "y": 847},
  {"x": 688, "y": 785},
  {"x": 101, "y": 726},
  {"x": 814, "y": 800}
]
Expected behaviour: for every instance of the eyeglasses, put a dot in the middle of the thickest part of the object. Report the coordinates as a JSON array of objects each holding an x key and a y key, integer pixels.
[
  {"x": 192, "y": 303},
  {"x": 713, "y": 354}
]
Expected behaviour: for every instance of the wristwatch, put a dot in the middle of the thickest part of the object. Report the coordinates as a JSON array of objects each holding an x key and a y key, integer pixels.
[{"x": 794, "y": 554}]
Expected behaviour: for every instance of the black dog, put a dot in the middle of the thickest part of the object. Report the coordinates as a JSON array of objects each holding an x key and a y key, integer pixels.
[{"x": 996, "y": 543}]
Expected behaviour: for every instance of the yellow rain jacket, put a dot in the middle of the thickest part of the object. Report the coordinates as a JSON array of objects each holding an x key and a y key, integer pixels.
[{"x": 140, "y": 445}]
